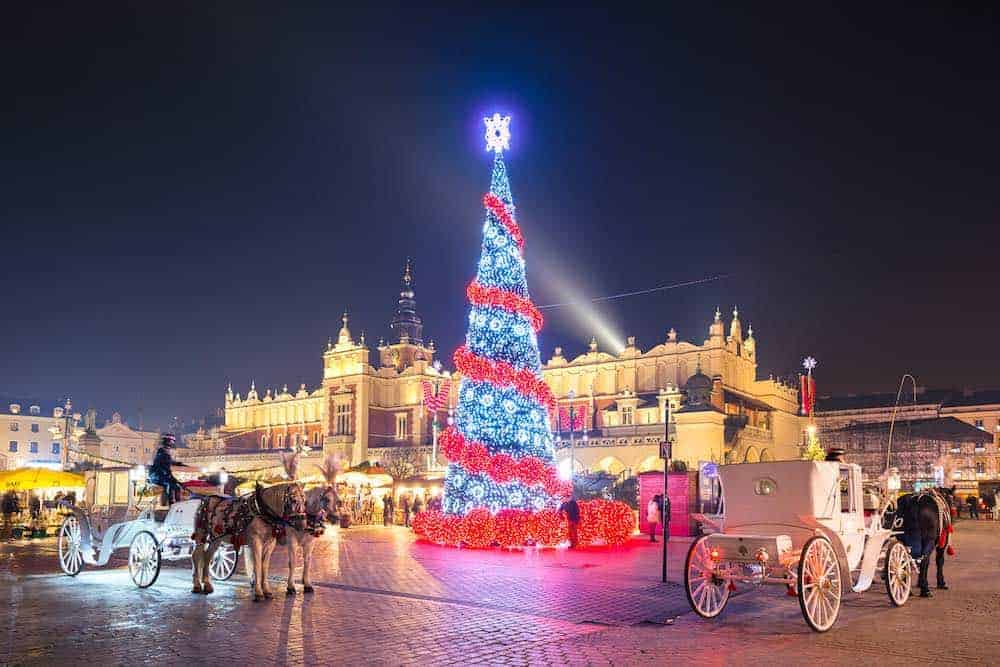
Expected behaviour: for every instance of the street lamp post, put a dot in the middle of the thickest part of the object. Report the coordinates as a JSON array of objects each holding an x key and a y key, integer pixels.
[
  {"x": 572, "y": 443},
  {"x": 66, "y": 432},
  {"x": 666, "y": 452}
]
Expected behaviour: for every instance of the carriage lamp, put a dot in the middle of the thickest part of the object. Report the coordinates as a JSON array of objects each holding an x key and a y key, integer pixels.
[
  {"x": 223, "y": 477},
  {"x": 762, "y": 556},
  {"x": 714, "y": 554},
  {"x": 893, "y": 482},
  {"x": 137, "y": 474}
]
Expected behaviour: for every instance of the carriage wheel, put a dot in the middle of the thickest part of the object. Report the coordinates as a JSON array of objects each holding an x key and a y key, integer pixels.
[
  {"x": 898, "y": 580},
  {"x": 223, "y": 563},
  {"x": 819, "y": 584},
  {"x": 70, "y": 548},
  {"x": 144, "y": 559},
  {"x": 707, "y": 593}
]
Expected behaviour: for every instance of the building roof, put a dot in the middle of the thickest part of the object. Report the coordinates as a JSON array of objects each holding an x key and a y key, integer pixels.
[
  {"x": 948, "y": 429},
  {"x": 880, "y": 400},
  {"x": 968, "y": 398},
  {"x": 942, "y": 397},
  {"x": 46, "y": 406}
]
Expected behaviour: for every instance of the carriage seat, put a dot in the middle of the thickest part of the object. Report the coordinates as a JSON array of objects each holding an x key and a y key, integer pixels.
[{"x": 160, "y": 515}]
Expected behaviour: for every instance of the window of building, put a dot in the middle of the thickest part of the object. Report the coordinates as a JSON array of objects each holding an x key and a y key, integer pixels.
[
  {"x": 13, "y": 446},
  {"x": 131, "y": 450},
  {"x": 980, "y": 468},
  {"x": 34, "y": 410},
  {"x": 316, "y": 437},
  {"x": 263, "y": 441},
  {"x": 33, "y": 447},
  {"x": 343, "y": 419},
  {"x": 55, "y": 447},
  {"x": 979, "y": 424},
  {"x": 34, "y": 427},
  {"x": 14, "y": 426},
  {"x": 401, "y": 426},
  {"x": 280, "y": 441},
  {"x": 627, "y": 417}
]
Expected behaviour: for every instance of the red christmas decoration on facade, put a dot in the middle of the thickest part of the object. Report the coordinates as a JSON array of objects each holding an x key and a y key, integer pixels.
[{"x": 435, "y": 402}]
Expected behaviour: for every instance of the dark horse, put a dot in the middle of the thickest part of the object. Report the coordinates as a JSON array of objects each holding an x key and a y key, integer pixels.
[{"x": 927, "y": 527}]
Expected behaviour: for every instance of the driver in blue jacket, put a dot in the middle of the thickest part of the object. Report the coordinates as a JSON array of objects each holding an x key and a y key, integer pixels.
[{"x": 160, "y": 472}]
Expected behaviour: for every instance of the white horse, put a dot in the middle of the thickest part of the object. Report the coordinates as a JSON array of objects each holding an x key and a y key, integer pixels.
[
  {"x": 321, "y": 502},
  {"x": 251, "y": 519}
]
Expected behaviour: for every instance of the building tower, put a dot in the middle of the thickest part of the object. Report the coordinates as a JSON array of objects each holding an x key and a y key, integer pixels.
[
  {"x": 407, "y": 325},
  {"x": 406, "y": 343}
]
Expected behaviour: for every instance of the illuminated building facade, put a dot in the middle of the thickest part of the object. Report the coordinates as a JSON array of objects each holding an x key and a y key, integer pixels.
[
  {"x": 358, "y": 411},
  {"x": 28, "y": 439},
  {"x": 720, "y": 410}
]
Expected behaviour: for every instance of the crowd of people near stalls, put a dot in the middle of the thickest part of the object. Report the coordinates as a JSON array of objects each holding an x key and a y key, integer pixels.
[
  {"x": 986, "y": 506},
  {"x": 364, "y": 505},
  {"x": 30, "y": 514}
]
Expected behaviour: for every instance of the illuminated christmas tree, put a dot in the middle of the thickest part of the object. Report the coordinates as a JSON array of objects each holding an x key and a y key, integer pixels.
[{"x": 502, "y": 486}]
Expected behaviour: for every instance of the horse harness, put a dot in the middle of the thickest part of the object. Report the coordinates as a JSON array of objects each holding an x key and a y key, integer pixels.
[
  {"x": 237, "y": 514},
  {"x": 944, "y": 517},
  {"x": 279, "y": 524}
]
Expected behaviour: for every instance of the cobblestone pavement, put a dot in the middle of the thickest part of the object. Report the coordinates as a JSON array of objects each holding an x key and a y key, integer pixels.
[{"x": 384, "y": 599}]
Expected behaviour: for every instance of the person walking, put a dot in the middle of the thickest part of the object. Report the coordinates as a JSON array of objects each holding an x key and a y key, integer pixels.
[
  {"x": 418, "y": 505},
  {"x": 654, "y": 510},
  {"x": 572, "y": 511},
  {"x": 404, "y": 502},
  {"x": 388, "y": 510},
  {"x": 973, "y": 507}
]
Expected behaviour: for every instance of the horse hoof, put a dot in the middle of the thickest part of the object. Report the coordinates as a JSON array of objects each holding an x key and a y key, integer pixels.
[
  {"x": 208, "y": 590},
  {"x": 257, "y": 598},
  {"x": 290, "y": 591},
  {"x": 926, "y": 594},
  {"x": 942, "y": 587},
  {"x": 268, "y": 595},
  {"x": 196, "y": 590},
  {"x": 308, "y": 589}
]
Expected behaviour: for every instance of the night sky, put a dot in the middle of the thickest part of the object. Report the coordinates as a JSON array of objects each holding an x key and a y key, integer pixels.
[{"x": 193, "y": 196}]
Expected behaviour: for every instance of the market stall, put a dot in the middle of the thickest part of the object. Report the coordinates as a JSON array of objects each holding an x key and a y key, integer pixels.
[
  {"x": 30, "y": 499},
  {"x": 362, "y": 491}
]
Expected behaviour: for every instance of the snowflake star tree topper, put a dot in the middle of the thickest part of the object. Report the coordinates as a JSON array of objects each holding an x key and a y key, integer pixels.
[{"x": 497, "y": 133}]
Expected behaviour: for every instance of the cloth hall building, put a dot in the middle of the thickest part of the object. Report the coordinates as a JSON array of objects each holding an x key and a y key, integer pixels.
[{"x": 373, "y": 402}]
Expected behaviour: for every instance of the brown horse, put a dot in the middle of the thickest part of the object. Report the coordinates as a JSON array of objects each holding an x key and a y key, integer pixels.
[{"x": 252, "y": 520}]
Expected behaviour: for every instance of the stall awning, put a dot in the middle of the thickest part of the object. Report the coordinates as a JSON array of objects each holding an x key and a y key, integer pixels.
[{"x": 27, "y": 479}]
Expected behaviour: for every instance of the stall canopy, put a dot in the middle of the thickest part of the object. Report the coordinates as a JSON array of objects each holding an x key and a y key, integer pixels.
[
  {"x": 365, "y": 474},
  {"x": 27, "y": 479}
]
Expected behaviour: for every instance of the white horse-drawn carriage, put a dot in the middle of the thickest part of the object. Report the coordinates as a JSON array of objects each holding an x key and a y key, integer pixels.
[
  {"x": 112, "y": 518},
  {"x": 800, "y": 524}
]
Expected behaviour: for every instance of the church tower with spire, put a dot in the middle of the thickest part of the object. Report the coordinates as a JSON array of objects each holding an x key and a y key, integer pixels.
[
  {"x": 407, "y": 325},
  {"x": 406, "y": 342}
]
